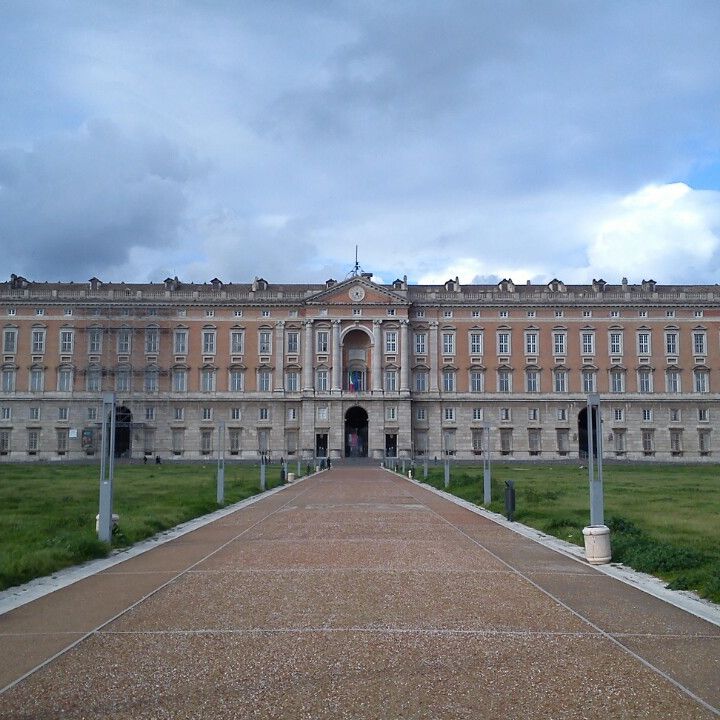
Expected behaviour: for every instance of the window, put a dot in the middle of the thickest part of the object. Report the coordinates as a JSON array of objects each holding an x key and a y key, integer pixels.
[
  {"x": 236, "y": 381},
  {"x": 614, "y": 313},
  {"x": 588, "y": 381},
  {"x": 63, "y": 413},
  {"x": 207, "y": 413},
  {"x": 531, "y": 343},
  {"x": 10, "y": 340},
  {"x": 179, "y": 413},
  {"x": 532, "y": 381},
  {"x": 122, "y": 380},
  {"x": 503, "y": 343},
  {"x": 534, "y": 438},
  {"x": 92, "y": 414},
  {"x": 6, "y": 413},
  {"x": 505, "y": 441},
  {"x": 178, "y": 441},
  {"x": 152, "y": 340},
  {"x": 421, "y": 380},
  {"x": 94, "y": 341},
  {"x": 643, "y": 343},
  {"x": 37, "y": 379},
  {"x": 391, "y": 311},
  {"x": 644, "y": 381},
  {"x": 357, "y": 311},
  {"x": 263, "y": 414},
  {"x": 182, "y": 312},
  {"x": 124, "y": 341},
  {"x": 476, "y": 343},
  {"x": 292, "y": 381},
  {"x": 235, "y": 413},
  {"x": 39, "y": 311},
  {"x": 703, "y": 415},
  {"x": 234, "y": 436},
  {"x": 505, "y": 415},
  {"x": 503, "y": 314},
  {"x": 149, "y": 413},
  {"x": 670, "y": 313},
  {"x": 237, "y": 338},
  {"x": 642, "y": 313},
  {"x": 477, "y": 441},
  {"x": 675, "y": 415},
  {"x": 421, "y": 414},
  {"x": 11, "y": 311},
  {"x": 391, "y": 413},
  {"x": 33, "y": 441},
  {"x": 672, "y": 381},
  {"x": 448, "y": 343},
  {"x": 559, "y": 343},
  {"x": 152, "y": 376},
  {"x": 209, "y": 313},
  {"x": 587, "y": 343},
  {"x": 448, "y": 380},
  {"x": 323, "y": 414},
  {"x": 534, "y": 414},
  {"x": 477, "y": 381},
  {"x": 447, "y": 313},
  {"x": 618, "y": 414},
  {"x": 8, "y": 380},
  {"x": 207, "y": 380},
  {"x": 322, "y": 380},
  {"x": 704, "y": 442},
  {"x": 619, "y": 438},
  {"x": 292, "y": 414},
  {"x": 65, "y": 380},
  {"x": 648, "y": 441},
  {"x": 265, "y": 313},
  {"x": 34, "y": 413},
  {"x": 700, "y": 378},
  {"x": 180, "y": 342},
  {"x": 390, "y": 380},
  {"x": 208, "y": 342},
  {"x": 671, "y": 343},
  {"x": 699, "y": 313},
  {"x": 179, "y": 380},
  {"x": 206, "y": 444},
  {"x": 391, "y": 342},
  {"x": 62, "y": 441},
  {"x": 322, "y": 341},
  {"x": 504, "y": 381},
  {"x": 587, "y": 313},
  {"x": 264, "y": 380},
  {"x": 563, "y": 441},
  {"x": 238, "y": 313},
  {"x": 475, "y": 314},
  {"x": 617, "y": 381},
  {"x": 420, "y": 343},
  {"x": 559, "y": 313},
  {"x": 38, "y": 341},
  {"x": 647, "y": 414},
  {"x": 93, "y": 379},
  {"x": 477, "y": 413},
  {"x": 265, "y": 342},
  {"x": 699, "y": 343},
  {"x": 531, "y": 313},
  {"x": 449, "y": 414},
  {"x": 420, "y": 313},
  {"x": 561, "y": 415},
  {"x": 293, "y": 342},
  {"x": 616, "y": 343}
]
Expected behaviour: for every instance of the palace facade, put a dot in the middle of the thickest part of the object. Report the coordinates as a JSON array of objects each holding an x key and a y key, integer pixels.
[{"x": 356, "y": 368}]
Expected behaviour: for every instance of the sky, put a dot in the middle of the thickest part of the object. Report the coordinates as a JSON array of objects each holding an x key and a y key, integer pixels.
[{"x": 522, "y": 139}]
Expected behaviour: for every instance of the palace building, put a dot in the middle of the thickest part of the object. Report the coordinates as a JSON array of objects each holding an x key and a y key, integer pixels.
[{"x": 356, "y": 368}]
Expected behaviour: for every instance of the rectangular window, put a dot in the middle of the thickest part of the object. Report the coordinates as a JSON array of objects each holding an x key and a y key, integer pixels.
[
  {"x": 33, "y": 440},
  {"x": 616, "y": 343},
  {"x": 390, "y": 380},
  {"x": 235, "y": 413},
  {"x": 643, "y": 343},
  {"x": 561, "y": 414},
  {"x": 207, "y": 413},
  {"x": 421, "y": 381},
  {"x": 38, "y": 341},
  {"x": 647, "y": 414},
  {"x": 532, "y": 383},
  {"x": 701, "y": 381},
  {"x": 206, "y": 444},
  {"x": 534, "y": 437},
  {"x": 559, "y": 343},
  {"x": 671, "y": 343},
  {"x": 65, "y": 380},
  {"x": 449, "y": 414},
  {"x": 122, "y": 380},
  {"x": 323, "y": 342},
  {"x": 644, "y": 381},
  {"x": 152, "y": 341},
  {"x": 34, "y": 413},
  {"x": 150, "y": 413},
  {"x": 148, "y": 441},
  {"x": 293, "y": 342},
  {"x": 476, "y": 343},
  {"x": 10, "y": 340},
  {"x": 95, "y": 341},
  {"x": 391, "y": 342},
  {"x": 534, "y": 414},
  {"x": 560, "y": 381},
  {"x": 8, "y": 380},
  {"x": 588, "y": 343},
  {"x": 4, "y": 442},
  {"x": 92, "y": 413},
  {"x": 503, "y": 343},
  {"x": 588, "y": 378},
  {"x": 63, "y": 413},
  {"x": 179, "y": 413},
  {"x": 477, "y": 414},
  {"x": 505, "y": 414},
  {"x": 672, "y": 381},
  {"x": 648, "y": 441},
  {"x": 617, "y": 381},
  {"x": 292, "y": 414},
  {"x": 178, "y": 441},
  {"x": 618, "y": 414},
  {"x": 236, "y": 383},
  {"x": 703, "y": 415},
  {"x": 292, "y": 381},
  {"x": 67, "y": 343},
  {"x": 420, "y": 343},
  {"x": 151, "y": 380},
  {"x": 421, "y": 414},
  {"x": 264, "y": 380},
  {"x": 62, "y": 441},
  {"x": 6, "y": 413},
  {"x": 179, "y": 380},
  {"x": 448, "y": 381},
  {"x": 476, "y": 381},
  {"x": 477, "y": 441},
  {"x": 208, "y": 342},
  {"x": 563, "y": 441},
  {"x": 124, "y": 341},
  {"x": 504, "y": 381},
  {"x": 207, "y": 380},
  {"x": 234, "y": 437},
  {"x": 699, "y": 343},
  {"x": 93, "y": 379},
  {"x": 237, "y": 342},
  {"x": 506, "y": 441},
  {"x": 619, "y": 439},
  {"x": 322, "y": 380},
  {"x": 37, "y": 380},
  {"x": 704, "y": 442},
  {"x": 448, "y": 343},
  {"x": 180, "y": 344},
  {"x": 531, "y": 343},
  {"x": 675, "y": 415},
  {"x": 391, "y": 413}
]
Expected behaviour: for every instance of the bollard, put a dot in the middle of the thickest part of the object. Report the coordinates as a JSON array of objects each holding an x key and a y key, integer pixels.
[{"x": 509, "y": 499}]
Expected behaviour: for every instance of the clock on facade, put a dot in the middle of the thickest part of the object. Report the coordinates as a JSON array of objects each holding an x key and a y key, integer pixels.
[{"x": 357, "y": 293}]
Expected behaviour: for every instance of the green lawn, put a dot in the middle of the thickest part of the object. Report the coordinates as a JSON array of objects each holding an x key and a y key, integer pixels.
[
  {"x": 47, "y": 511},
  {"x": 664, "y": 519}
]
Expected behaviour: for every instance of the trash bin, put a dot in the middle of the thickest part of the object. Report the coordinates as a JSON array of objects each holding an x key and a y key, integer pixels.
[
  {"x": 509, "y": 499},
  {"x": 597, "y": 544}
]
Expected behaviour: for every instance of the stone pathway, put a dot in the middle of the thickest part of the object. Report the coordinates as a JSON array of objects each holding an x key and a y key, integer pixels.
[{"x": 355, "y": 594}]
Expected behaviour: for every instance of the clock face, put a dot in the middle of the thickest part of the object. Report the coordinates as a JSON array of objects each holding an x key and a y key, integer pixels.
[{"x": 357, "y": 293}]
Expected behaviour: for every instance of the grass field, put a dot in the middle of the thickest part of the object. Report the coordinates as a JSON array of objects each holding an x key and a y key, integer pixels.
[
  {"x": 47, "y": 511},
  {"x": 664, "y": 519}
]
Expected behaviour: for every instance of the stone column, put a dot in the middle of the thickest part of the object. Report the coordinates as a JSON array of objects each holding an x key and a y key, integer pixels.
[
  {"x": 279, "y": 383},
  {"x": 308, "y": 383},
  {"x": 433, "y": 356},
  {"x": 376, "y": 356},
  {"x": 404, "y": 358},
  {"x": 336, "y": 358}
]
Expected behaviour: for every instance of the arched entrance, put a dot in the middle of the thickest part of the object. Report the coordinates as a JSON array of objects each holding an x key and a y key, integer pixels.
[
  {"x": 356, "y": 432},
  {"x": 123, "y": 426},
  {"x": 583, "y": 445}
]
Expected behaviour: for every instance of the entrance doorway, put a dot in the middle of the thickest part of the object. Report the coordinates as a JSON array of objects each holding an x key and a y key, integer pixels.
[
  {"x": 583, "y": 444},
  {"x": 123, "y": 435},
  {"x": 391, "y": 445},
  {"x": 321, "y": 445},
  {"x": 356, "y": 432}
]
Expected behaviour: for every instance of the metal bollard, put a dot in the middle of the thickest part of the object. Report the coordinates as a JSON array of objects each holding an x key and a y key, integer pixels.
[{"x": 509, "y": 498}]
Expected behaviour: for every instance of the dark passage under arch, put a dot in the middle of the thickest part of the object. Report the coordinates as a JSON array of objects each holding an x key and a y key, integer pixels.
[
  {"x": 123, "y": 427},
  {"x": 356, "y": 432}
]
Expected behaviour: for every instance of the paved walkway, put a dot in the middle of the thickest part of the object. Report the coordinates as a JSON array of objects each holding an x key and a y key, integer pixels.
[{"x": 355, "y": 594}]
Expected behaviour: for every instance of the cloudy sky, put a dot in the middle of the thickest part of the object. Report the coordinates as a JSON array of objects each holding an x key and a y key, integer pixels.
[{"x": 529, "y": 139}]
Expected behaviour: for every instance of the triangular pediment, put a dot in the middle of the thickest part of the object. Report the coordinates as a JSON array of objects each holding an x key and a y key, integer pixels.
[{"x": 371, "y": 294}]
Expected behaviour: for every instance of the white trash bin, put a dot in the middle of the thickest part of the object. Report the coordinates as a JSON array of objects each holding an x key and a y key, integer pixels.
[{"x": 597, "y": 544}]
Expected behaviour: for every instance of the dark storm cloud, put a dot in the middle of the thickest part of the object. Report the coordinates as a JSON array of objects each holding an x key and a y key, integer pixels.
[{"x": 78, "y": 203}]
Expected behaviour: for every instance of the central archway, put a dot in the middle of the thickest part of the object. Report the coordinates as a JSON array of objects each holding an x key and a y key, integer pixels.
[
  {"x": 356, "y": 432},
  {"x": 123, "y": 425}
]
